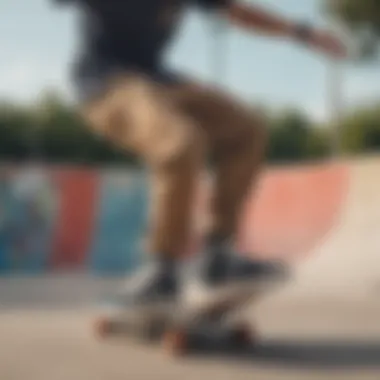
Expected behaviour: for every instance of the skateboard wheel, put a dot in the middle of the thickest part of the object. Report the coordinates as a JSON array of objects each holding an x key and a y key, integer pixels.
[
  {"x": 103, "y": 327},
  {"x": 242, "y": 336},
  {"x": 153, "y": 331},
  {"x": 176, "y": 342}
]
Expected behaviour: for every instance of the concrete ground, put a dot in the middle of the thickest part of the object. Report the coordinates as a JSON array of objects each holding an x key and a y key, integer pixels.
[{"x": 45, "y": 334}]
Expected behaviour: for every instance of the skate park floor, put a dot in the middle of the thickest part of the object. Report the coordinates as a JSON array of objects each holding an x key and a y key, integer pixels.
[{"x": 46, "y": 334}]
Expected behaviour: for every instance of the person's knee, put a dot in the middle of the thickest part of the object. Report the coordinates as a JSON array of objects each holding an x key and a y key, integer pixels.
[
  {"x": 185, "y": 150},
  {"x": 253, "y": 132},
  {"x": 190, "y": 152}
]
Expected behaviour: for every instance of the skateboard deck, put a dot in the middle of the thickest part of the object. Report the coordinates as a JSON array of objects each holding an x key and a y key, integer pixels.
[{"x": 179, "y": 324}]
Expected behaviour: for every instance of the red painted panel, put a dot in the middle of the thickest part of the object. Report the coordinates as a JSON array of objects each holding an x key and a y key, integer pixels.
[
  {"x": 294, "y": 210},
  {"x": 75, "y": 226}
]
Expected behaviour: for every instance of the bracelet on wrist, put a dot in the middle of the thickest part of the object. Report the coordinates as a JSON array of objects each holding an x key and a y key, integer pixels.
[{"x": 303, "y": 32}]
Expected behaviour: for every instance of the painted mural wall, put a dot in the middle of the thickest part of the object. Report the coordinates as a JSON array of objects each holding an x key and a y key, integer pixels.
[
  {"x": 70, "y": 219},
  {"x": 79, "y": 219}
]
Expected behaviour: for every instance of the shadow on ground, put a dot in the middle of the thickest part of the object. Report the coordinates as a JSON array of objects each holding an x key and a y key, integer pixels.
[{"x": 326, "y": 355}]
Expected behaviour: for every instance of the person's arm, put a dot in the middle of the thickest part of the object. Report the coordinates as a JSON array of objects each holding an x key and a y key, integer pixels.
[
  {"x": 256, "y": 19},
  {"x": 63, "y": 2}
]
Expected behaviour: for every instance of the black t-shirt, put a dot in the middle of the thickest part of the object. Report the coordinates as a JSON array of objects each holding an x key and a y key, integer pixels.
[{"x": 121, "y": 34}]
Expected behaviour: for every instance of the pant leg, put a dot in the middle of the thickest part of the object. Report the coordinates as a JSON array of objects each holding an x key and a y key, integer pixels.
[
  {"x": 137, "y": 114},
  {"x": 237, "y": 137}
]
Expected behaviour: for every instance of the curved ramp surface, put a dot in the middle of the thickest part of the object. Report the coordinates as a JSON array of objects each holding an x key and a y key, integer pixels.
[
  {"x": 347, "y": 260},
  {"x": 323, "y": 325}
]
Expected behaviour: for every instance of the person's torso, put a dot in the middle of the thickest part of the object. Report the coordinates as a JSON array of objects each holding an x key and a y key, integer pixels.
[{"x": 126, "y": 32}]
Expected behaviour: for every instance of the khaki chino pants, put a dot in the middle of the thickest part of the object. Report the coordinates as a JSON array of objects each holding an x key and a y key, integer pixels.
[{"x": 173, "y": 128}]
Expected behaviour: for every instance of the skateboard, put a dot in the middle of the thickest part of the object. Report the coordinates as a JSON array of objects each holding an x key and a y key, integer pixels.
[{"x": 180, "y": 326}]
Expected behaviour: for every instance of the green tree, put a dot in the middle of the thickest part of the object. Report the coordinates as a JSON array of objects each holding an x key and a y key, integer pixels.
[
  {"x": 293, "y": 137},
  {"x": 360, "y": 130},
  {"x": 361, "y": 18},
  {"x": 16, "y": 125},
  {"x": 63, "y": 137},
  {"x": 51, "y": 131},
  {"x": 318, "y": 143}
]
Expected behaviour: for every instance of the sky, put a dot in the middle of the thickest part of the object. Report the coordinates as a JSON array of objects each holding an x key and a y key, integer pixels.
[{"x": 38, "y": 42}]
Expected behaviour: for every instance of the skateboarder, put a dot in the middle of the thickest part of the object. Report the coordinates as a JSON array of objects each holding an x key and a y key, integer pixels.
[{"x": 127, "y": 95}]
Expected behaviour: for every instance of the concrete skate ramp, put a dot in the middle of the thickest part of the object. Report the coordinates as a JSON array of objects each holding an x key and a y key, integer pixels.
[
  {"x": 73, "y": 219},
  {"x": 324, "y": 219},
  {"x": 347, "y": 258}
]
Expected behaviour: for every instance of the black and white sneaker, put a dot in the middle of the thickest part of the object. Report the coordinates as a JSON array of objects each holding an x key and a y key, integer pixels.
[
  {"x": 153, "y": 287},
  {"x": 220, "y": 275}
]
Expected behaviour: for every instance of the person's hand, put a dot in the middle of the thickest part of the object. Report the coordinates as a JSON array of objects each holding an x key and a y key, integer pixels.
[{"x": 328, "y": 44}]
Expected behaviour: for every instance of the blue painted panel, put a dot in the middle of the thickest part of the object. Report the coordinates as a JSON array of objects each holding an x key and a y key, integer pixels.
[
  {"x": 120, "y": 223},
  {"x": 27, "y": 217}
]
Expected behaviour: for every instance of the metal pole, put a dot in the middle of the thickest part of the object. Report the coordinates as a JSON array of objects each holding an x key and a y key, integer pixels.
[
  {"x": 335, "y": 83},
  {"x": 335, "y": 104},
  {"x": 218, "y": 50}
]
